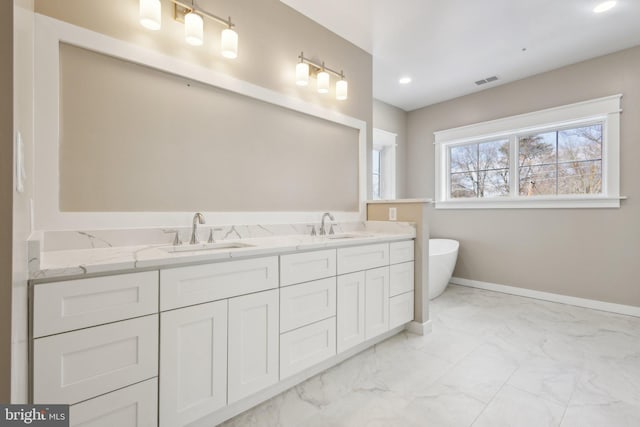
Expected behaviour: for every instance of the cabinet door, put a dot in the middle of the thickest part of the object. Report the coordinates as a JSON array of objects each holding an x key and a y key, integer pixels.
[
  {"x": 193, "y": 363},
  {"x": 376, "y": 302},
  {"x": 133, "y": 406},
  {"x": 253, "y": 343},
  {"x": 350, "y": 316}
]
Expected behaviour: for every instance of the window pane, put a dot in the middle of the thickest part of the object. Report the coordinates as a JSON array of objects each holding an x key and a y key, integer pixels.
[
  {"x": 375, "y": 157},
  {"x": 494, "y": 183},
  {"x": 494, "y": 155},
  {"x": 580, "y": 177},
  {"x": 584, "y": 143},
  {"x": 462, "y": 185},
  {"x": 537, "y": 149},
  {"x": 538, "y": 180},
  {"x": 375, "y": 181},
  {"x": 464, "y": 158}
]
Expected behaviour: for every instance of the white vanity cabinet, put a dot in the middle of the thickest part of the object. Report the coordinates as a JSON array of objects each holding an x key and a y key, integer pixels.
[
  {"x": 195, "y": 345},
  {"x": 193, "y": 362},
  {"x": 379, "y": 297},
  {"x": 95, "y": 347}
]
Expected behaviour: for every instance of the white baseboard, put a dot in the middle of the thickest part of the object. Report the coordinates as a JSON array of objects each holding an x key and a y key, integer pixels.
[
  {"x": 420, "y": 328},
  {"x": 629, "y": 310}
]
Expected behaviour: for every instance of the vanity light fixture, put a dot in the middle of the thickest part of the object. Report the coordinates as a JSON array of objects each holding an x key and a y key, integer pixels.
[
  {"x": 305, "y": 67},
  {"x": 193, "y": 18},
  {"x": 150, "y": 14}
]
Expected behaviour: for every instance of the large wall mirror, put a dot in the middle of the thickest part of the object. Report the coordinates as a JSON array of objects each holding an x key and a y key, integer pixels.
[{"x": 125, "y": 134}]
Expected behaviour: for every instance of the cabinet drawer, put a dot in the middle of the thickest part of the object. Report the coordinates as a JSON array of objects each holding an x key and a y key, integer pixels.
[
  {"x": 307, "y": 346},
  {"x": 400, "y": 309},
  {"x": 133, "y": 406},
  {"x": 79, "y": 365},
  {"x": 400, "y": 278},
  {"x": 362, "y": 257},
  {"x": 74, "y": 304},
  {"x": 307, "y": 303},
  {"x": 307, "y": 266},
  {"x": 184, "y": 286},
  {"x": 401, "y": 252}
]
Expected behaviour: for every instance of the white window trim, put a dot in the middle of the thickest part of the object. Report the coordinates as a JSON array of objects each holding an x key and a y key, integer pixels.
[
  {"x": 385, "y": 142},
  {"x": 606, "y": 110}
]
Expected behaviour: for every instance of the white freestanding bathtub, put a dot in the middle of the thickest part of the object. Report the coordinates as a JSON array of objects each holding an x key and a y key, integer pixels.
[{"x": 443, "y": 254}]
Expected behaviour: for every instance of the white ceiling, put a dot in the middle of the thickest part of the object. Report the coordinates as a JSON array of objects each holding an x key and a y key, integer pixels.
[{"x": 446, "y": 45}]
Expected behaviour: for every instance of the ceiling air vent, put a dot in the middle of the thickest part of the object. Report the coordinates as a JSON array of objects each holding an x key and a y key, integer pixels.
[{"x": 486, "y": 80}]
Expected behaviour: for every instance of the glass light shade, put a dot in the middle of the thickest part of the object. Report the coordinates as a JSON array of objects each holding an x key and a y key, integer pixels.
[
  {"x": 342, "y": 88},
  {"x": 150, "y": 13},
  {"x": 302, "y": 74},
  {"x": 193, "y": 29},
  {"x": 323, "y": 82},
  {"x": 229, "y": 43}
]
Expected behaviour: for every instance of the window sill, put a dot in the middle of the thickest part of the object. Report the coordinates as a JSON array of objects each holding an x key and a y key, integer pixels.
[{"x": 532, "y": 203}]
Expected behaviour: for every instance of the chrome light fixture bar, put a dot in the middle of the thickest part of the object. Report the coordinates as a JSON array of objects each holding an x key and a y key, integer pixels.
[
  {"x": 192, "y": 17},
  {"x": 306, "y": 66}
]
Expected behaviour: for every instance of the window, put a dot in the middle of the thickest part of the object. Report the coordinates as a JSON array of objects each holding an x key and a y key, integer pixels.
[
  {"x": 562, "y": 157},
  {"x": 375, "y": 171},
  {"x": 565, "y": 161},
  {"x": 383, "y": 168},
  {"x": 480, "y": 169}
]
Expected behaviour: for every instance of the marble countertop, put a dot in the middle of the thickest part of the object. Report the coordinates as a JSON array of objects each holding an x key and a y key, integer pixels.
[{"x": 64, "y": 264}]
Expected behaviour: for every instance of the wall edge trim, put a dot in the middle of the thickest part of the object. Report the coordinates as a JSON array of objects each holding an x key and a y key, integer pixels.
[{"x": 610, "y": 307}]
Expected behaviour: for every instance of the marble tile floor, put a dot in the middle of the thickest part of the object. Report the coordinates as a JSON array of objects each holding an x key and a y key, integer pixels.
[{"x": 492, "y": 360}]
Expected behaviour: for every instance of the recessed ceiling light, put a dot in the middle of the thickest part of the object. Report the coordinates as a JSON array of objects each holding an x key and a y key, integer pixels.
[
  {"x": 404, "y": 80},
  {"x": 604, "y": 6}
]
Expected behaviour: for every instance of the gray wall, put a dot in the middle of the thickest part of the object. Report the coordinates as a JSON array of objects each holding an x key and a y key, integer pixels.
[
  {"x": 588, "y": 253},
  {"x": 6, "y": 196},
  {"x": 393, "y": 119},
  {"x": 271, "y": 36}
]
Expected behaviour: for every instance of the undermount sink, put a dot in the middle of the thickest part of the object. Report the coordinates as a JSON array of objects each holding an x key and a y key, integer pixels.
[
  {"x": 347, "y": 236},
  {"x": 205, "y": 247}
]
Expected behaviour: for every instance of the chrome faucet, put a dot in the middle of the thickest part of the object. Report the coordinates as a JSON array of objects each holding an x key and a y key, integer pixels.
[
  {"x": 198, "y": 218},
  {"x": 323, "y": 232}
]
